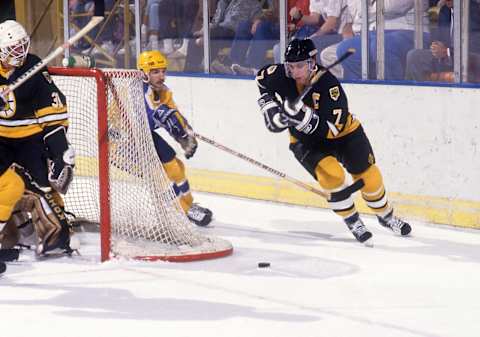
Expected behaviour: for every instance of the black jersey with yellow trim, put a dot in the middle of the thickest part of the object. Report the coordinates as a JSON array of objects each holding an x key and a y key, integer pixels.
[
  {"x": 33, "y": 106},
  {"x": 327, "y": 99}
]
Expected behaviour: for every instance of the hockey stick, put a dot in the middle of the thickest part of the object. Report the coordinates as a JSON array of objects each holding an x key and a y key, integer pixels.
[
  {"x": 322, "y": 72},
  {"x": 94, "y": 21},
  {"x": 333, "y": 196}
]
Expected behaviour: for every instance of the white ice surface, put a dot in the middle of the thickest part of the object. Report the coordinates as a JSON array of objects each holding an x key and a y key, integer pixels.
[{"x": 321, "y": 283}]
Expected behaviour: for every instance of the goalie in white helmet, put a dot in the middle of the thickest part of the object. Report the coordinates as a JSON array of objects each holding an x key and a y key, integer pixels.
[
  {"x": 33, "y": 126},
  {"x": 162, "y": 112}
]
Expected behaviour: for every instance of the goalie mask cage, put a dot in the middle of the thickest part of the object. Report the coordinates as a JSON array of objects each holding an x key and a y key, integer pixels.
[{"x": 119, "y": 180}]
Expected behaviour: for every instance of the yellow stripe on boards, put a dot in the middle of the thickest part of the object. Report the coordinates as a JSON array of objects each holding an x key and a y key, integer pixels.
[{"x": 461, "y": 213}]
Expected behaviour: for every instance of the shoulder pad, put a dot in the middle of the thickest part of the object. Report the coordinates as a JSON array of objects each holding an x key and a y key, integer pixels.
[{"x": 269, "y": 74}]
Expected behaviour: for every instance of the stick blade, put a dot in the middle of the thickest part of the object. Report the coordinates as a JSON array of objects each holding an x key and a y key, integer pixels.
[{"x": 347, "y": 192}]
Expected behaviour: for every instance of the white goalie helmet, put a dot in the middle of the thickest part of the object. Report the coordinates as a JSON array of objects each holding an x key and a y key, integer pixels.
[{"x": 14, "y": 43}]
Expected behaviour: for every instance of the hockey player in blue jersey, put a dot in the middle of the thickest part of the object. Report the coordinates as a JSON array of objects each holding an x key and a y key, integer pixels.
[{"x": 163, "y": 113}]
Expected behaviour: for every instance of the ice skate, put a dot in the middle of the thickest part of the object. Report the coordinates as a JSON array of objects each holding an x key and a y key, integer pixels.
[
  {"x": 358, "y": 229},
  {"x": 199, "y": 215},
  {"x": 55, "y": 243},
  {"x": 396, "y": 224}
]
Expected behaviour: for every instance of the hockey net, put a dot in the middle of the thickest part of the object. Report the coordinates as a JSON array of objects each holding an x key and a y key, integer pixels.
[{"x": 119, "y": 180}]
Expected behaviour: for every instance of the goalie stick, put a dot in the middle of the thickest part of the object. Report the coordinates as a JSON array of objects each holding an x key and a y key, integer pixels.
[
  {"x": 331, "y": 196},
  {"x": 94, "y": 21}
]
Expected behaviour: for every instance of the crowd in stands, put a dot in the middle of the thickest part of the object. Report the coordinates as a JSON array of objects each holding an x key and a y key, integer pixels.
[{"x": 244, "y": 35}]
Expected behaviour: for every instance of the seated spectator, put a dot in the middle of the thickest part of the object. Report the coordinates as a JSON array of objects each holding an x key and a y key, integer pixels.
[
  {"x": 253, "y": 39},
  {"x": 335, "y": 17},
  {"x": 167, "y": 20},
  {"x": 111, "y": 30},
  {"x": 228, "y": 14},
  {"x": 297, "y": 27},
  {"x": 75, "y": 10},
  {"x": 399, "y": 39},
  {"x": 353, "y": 25},
  {"x": 436, "y": 63},
  {"x": 310, "y": 22}
]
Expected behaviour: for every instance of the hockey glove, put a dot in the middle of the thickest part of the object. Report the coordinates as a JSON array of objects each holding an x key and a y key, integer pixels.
[
  {"x": 188, "y": 143},
  {"x": 177, "y": 127},
  {"x": 301, "y": 116},
  {"x": 275, "y": 119},
  {"x": 168, "y": 118},
  {"x": 61, "y": 159}
]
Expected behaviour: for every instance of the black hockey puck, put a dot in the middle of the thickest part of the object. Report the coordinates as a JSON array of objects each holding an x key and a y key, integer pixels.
[
  {"x": 263, "y": 264},
  {"x": 3, "y": 267}
]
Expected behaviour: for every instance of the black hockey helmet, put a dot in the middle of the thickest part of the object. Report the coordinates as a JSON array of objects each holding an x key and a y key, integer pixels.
[{"x": 300, "y": 50}]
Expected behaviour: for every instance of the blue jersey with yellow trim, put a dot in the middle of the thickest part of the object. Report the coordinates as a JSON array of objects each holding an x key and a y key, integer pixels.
[{"x": 154, "y": 101}]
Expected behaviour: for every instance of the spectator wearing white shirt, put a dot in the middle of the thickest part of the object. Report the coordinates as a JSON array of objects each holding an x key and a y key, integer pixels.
[
  {"x": 351, "y": 28},
  {"x": 399, "y": 38},
  {"x": 335, "y": 17}
]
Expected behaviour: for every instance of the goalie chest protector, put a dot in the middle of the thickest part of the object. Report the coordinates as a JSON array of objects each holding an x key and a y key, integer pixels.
[{"x": 35, "y": 104}]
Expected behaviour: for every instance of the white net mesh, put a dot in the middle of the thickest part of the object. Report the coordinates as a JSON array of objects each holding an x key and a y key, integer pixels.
[{"x": 146, "y": 220}]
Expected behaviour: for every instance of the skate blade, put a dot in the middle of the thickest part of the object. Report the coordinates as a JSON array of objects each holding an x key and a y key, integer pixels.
[{"x": 368, "y": 243}]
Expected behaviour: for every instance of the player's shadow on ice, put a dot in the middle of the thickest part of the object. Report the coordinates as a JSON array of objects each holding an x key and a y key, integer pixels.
[
  {"x": 120, "y": 304},
  {"x": 314, "y": 233},
  {"x": 450, "y": 250},
  {"x": 300, "y": 233}
]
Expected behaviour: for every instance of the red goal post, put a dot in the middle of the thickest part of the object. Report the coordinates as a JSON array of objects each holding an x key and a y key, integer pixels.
[{"x": 119, "y": 180}]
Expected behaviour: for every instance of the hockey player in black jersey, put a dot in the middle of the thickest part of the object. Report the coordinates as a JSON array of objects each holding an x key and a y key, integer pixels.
[
  {"x": 324, "y": 135},
  {"x": 33, "y": 124}
]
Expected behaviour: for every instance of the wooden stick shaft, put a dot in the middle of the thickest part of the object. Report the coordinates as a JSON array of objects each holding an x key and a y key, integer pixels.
[
  {"x": 36, "y": 68},
  {"x": 263, "y": 166}
]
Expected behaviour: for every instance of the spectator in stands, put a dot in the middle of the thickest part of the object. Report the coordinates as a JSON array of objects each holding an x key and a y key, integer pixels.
[
  {"x": 253, "y": 39},
  {"x": 228, "y": 14},
  {"x": 436, "y": 63},
  {"x": 296, "y": 27},
  {"x": 167, "y": 20},
  {"x": 335, "y": 17},
  {"x": 399, "y": 39},
  {"x": 324, "y": 23},
  {"x": 351, "y": 28},
  {"x": 77, "y": 10},
  {"x": 111, "y": 31}
]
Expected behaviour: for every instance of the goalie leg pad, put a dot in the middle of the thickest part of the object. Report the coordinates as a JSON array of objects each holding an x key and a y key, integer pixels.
[
  {"x": 49, "y": 220},
  {"x": 10, "y": 235},
  {"x": 51, "y": 224}
]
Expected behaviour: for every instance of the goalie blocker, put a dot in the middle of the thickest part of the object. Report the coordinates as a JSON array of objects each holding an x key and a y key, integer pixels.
[{"x": 39, "y": 211}]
